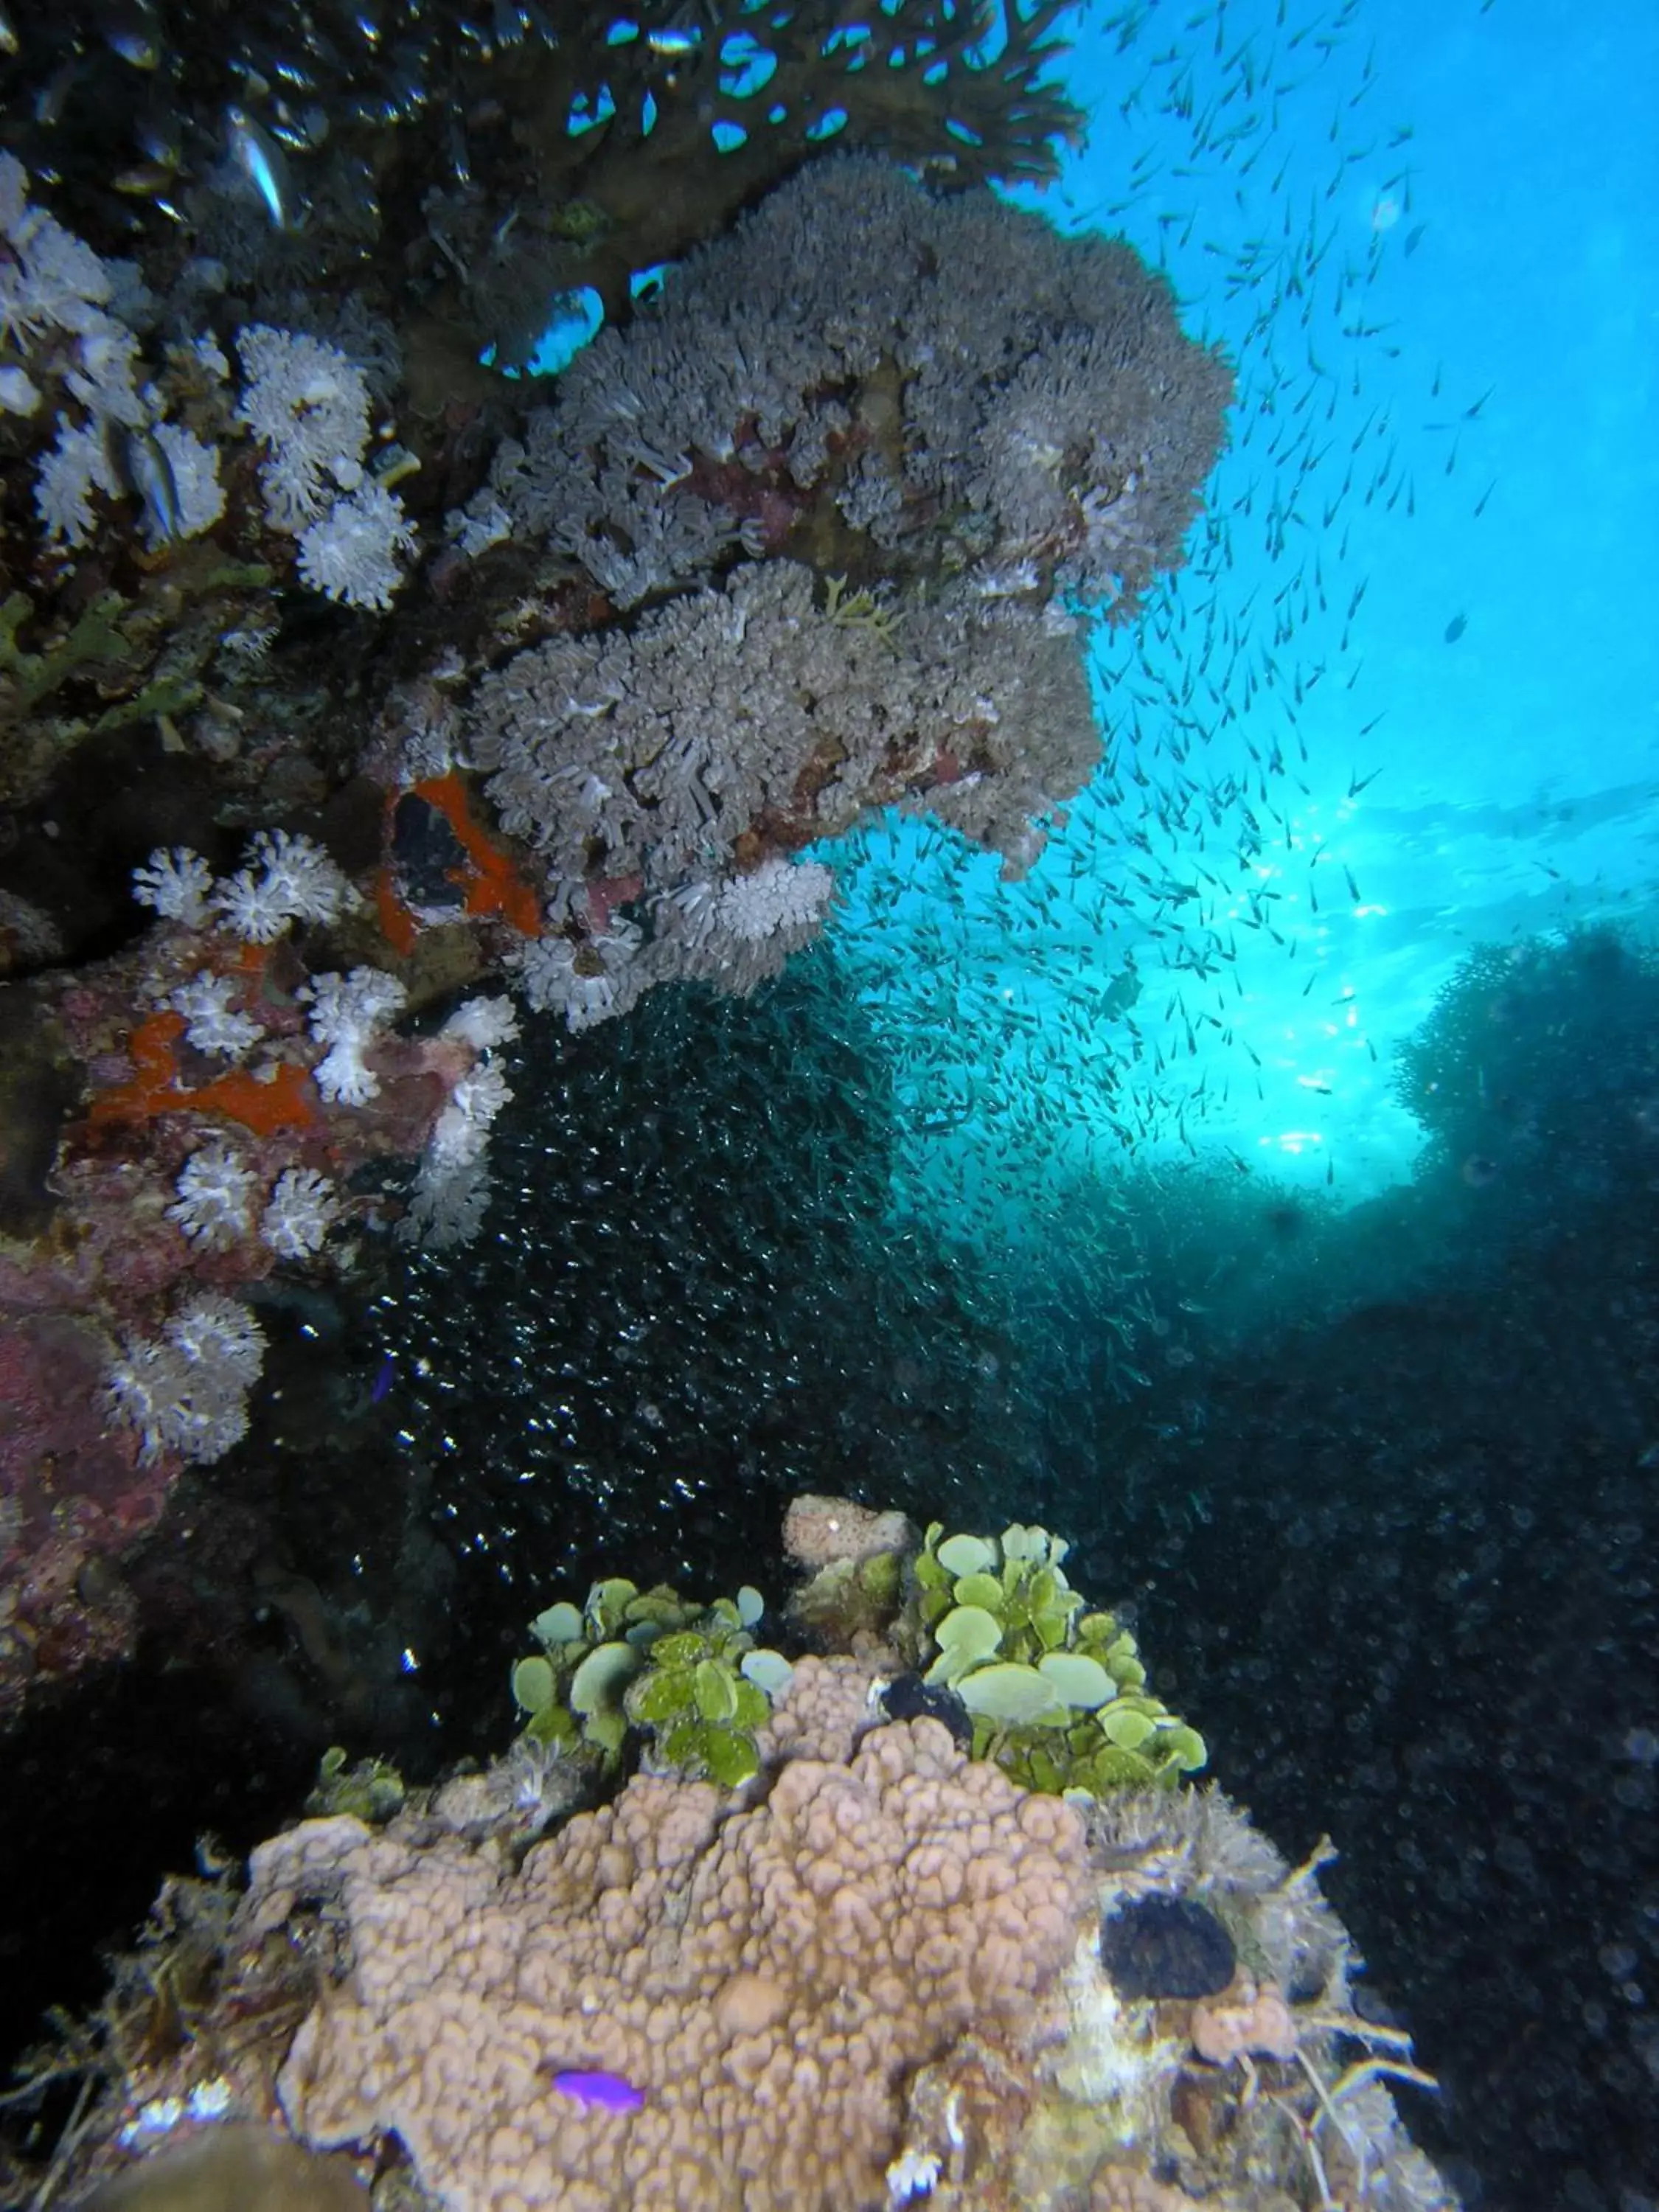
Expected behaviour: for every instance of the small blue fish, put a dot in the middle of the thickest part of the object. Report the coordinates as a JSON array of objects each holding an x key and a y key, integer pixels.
[
  {"x": 382, "y": 1382},
  {"x": 608, "y": 2091}
]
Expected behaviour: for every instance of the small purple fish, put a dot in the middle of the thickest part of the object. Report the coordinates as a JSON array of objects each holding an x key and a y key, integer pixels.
[
  {"x": 608, "y": 2091},
  {"x": 383, "y": 1380}
]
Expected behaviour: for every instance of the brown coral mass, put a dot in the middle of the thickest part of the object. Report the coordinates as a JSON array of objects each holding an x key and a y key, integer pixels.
[{"x": 769, "y": 1977}]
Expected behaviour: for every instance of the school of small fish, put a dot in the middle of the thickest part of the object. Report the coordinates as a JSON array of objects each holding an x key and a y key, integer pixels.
[{"x": 1126, "y": 1001}]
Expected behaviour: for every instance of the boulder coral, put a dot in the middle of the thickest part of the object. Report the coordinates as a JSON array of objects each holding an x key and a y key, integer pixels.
[{"x": 767, "y": 1979}]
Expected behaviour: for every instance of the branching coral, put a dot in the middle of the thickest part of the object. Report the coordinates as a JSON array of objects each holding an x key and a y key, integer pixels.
[{"x": 613, "y": 144}]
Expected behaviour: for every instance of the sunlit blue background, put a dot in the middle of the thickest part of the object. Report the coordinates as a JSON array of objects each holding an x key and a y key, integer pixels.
[{"x": 1427, "y": 243}]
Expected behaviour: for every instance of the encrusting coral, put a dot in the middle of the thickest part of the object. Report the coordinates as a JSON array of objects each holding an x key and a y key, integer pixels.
[
  {"x": 764, "y": 1979},
  {"x": 874, "y": 1973}
]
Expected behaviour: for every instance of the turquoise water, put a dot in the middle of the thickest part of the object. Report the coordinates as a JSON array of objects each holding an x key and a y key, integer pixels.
[{"x": 1414, "y": 638}]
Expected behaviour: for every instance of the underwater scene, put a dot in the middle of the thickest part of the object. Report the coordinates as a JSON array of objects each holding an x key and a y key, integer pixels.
[{"x": 829, "y": 1106}]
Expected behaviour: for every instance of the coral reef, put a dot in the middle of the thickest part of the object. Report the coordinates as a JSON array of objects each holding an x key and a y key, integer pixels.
[
  {"x": 966, "y": 391},
  {"x": 878, "y": 1971},
  {"x": 285, "y": 384},
  {"x": 735, "y": 2010},
  {"x": 248, "y": 877},
  {"x": 890, "y": 478},
  {"x": 891, "y": 497},
  {"x": 1536, "y": 1076},
  {"x": 221, "y": 1088}
]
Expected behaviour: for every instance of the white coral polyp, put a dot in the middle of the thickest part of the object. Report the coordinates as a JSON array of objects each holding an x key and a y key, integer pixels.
[
  {"x": 70, "y": 472},
  {"x": 347, "y": 1012},
  {"x": 188, "y": 1392},
  {"x": 447, "y": 1202},
  {"x": 144, "y": 1389},
  {"x": 49, "y": 278},
  {"x": 308, "y": 404},
  {"x": 778, "y": 894},
  {"x": 253, "y": 906},
  {"x": 317, "y": 889},
  {"x": 174, "y": 882},
  {"x": 303, "y": 1208},
  {"x": 211, "y": 1023},
  {"x": 575, "y": 980},
  {"x": 451, "y": 1191},
  {"x": 462, "y": 1130},
  {"x": 215, "y": 1205},
  {"x": 350, "y": 553},
  {"x": 483, "y": 1022},
  {"x": 215, "y": 1330},
  {"x": 290, "y": 878},
  {"x": 344, "y": 1076},
  {"x": 353, "y": 1004}
]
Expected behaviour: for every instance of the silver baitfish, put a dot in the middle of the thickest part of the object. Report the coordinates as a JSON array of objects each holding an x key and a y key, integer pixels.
[
  {"x": 145, "y": 180},
  {"x": 53, "y": 96},
  {"x": 159, "y": 132},
  {"x": 129, "y": 29},
  {"x": 675, "y": 42},
  {"x": 265, "y": 165},
  {"x": 144, "y": 469}
]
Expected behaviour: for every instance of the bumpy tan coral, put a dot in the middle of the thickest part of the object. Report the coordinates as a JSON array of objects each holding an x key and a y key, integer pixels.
[
  {"x": 767, "y": 1978},
  {"x": 828, "y": 1711}
]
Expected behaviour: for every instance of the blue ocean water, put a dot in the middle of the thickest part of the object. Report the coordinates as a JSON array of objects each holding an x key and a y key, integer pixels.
[{"x": 1412, "y": 651}]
